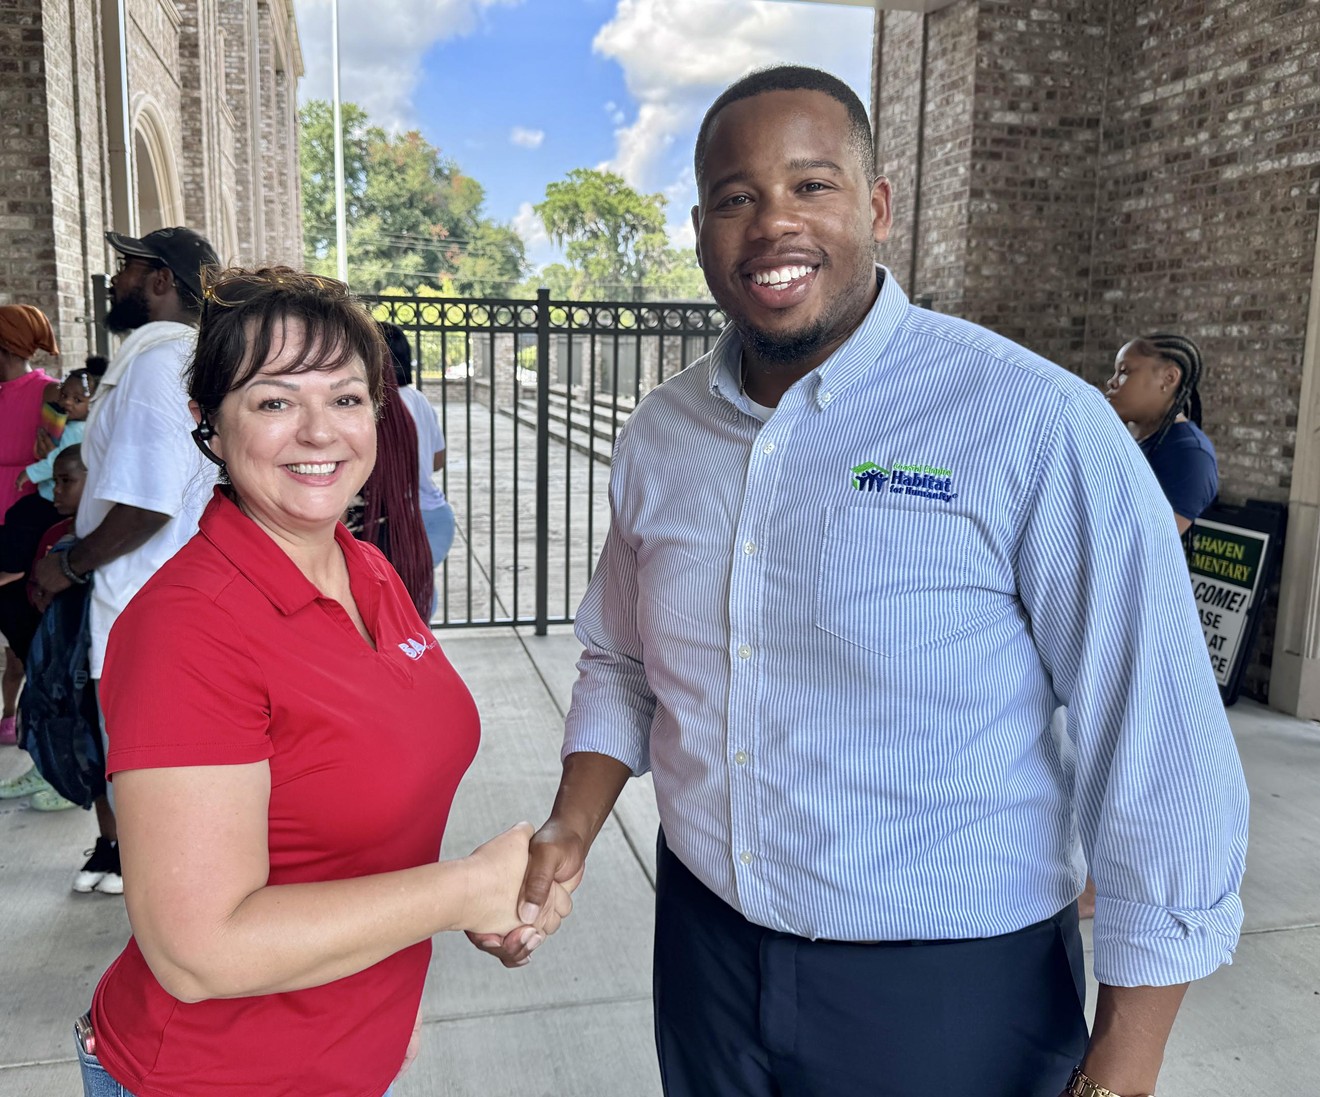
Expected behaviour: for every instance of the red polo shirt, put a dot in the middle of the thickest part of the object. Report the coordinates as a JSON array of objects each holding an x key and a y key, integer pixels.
[{"x": 229, "y": 655}]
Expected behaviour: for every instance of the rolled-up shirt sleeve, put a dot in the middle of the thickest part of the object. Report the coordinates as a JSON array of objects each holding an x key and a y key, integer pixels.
[
  {"x": 1158, "y": 787},
  {"x": 613, "y": 704}
]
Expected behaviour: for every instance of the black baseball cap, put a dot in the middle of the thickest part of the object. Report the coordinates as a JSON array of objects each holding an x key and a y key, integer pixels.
[{"x": 184, "y": 251}]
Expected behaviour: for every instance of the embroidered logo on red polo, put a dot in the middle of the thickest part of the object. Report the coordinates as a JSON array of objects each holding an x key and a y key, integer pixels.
[{"x": 417, "y": 646}]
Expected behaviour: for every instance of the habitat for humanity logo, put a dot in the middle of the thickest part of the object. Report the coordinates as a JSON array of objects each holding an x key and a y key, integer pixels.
[
  {"x": 926, "y": 481},
  {"x": 869, "y": 477}
]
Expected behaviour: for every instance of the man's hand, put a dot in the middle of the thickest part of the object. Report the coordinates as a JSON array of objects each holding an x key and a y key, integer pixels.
[
  {"x": 48, "y": 579},
  {"x": 556, "y": 855}
]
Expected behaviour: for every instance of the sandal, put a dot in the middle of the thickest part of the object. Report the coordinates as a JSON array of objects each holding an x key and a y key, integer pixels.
[
  {"x": 25, "y": 784},
  {"x": 50, "y": 800}
]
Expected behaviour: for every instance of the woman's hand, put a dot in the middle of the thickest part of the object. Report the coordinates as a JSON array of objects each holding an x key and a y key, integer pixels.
[
  {"x": 21, "y": 480},
  {"x": 495, "y": 876},
  {"x": 44, "y": 444}
]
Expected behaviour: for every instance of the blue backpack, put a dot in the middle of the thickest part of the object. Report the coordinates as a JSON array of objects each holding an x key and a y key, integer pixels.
[{"x": 58, "y": 720}]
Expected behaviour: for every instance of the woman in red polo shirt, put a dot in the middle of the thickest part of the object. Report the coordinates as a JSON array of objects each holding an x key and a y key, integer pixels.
[{"x": 286, "y": 737}]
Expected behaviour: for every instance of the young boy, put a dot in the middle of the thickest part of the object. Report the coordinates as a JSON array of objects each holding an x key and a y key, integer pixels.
[{"x": 19, "y": 617}]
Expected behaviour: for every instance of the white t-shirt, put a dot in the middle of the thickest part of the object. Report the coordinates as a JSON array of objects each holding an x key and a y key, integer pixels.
[
  {"x": 138, "y": 450},
  {"x": 430, "y": 441}
]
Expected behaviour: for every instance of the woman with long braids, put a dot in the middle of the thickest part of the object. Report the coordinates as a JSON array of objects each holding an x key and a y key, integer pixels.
[
  {"x": 390, "y": 515},
  {"x": 1155, "y": 391}
]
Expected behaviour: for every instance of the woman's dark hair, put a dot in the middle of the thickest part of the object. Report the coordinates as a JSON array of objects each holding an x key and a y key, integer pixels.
[
  {"x": 400, "y": 352},
  {"x": 391, "y": 513},
  {"x": 245, "y": 314},
  {"x": 1184, "y": 354}
]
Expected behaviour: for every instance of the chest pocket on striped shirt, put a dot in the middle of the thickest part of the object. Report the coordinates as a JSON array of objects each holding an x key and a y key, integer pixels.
[{"x": 892, "y": 581}]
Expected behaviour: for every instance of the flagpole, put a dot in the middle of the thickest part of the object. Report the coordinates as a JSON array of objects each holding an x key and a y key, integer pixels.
[{"x": 341, "y": 230}]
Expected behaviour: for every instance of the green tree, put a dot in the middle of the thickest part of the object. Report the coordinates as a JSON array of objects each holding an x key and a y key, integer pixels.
[
  {"x": 615, "y": 241},
  {"x": 413, "y": 217}
]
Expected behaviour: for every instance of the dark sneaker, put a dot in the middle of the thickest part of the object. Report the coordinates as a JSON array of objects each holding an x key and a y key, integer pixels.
[{"x": 103, "y": 861}]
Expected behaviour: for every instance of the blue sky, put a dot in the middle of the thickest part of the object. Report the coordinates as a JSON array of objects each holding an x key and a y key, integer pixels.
[{"x": 520, "y": 92}]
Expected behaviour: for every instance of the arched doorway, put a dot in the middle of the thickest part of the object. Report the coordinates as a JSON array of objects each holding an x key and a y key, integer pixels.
[
  {"x": 157, "y": 191},
  {"x": 151, "y": 214}
]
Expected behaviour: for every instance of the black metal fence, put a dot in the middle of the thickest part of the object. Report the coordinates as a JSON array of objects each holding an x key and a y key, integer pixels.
[{"x": 531, "y": 395}]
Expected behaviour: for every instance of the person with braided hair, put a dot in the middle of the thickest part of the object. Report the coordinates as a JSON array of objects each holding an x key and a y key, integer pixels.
[
  {"x": 390, "y": 515},
  {"x": 1155, "y": 391}
]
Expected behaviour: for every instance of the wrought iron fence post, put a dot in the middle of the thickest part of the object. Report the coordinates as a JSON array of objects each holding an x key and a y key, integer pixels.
[{"x": 542, "y": 460}]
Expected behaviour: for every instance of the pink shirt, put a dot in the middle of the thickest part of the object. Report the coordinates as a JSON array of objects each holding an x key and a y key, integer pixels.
[{"x": 20, "y": 415}]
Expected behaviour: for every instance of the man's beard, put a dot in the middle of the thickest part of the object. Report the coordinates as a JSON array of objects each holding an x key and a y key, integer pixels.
[
  {"x": 129, "y": 312},
  {"x": 784, "y": 350}
]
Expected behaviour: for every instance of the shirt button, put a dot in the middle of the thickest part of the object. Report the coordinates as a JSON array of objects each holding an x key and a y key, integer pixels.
[
  {"x": 741, "y": 757},
  {"x": 746, "y": 857},
  {"x": 826, "y": 397},
  {"x": 744, "y": 652},
  {"x": 749, "y": 548},
  {"x": 769, "y": 447}
]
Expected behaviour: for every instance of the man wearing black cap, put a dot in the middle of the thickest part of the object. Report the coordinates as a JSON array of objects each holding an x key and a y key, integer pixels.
[{"x": 146, "y": 482}]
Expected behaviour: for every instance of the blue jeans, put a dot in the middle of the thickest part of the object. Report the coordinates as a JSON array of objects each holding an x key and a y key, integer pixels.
[
  {"x": 439, "y": 525},
  {"x": 97, "y": 1083}
]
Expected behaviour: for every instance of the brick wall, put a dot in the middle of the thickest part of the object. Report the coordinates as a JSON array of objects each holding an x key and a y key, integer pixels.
[
  {"x": 943, "y": 242},
  {"x": 898, "y": 97},
  {"x": 1210, "y": 191},
  {"x": 27, "y": 253},
  {"x": 1132, "y": 165},
  {"x": 197, "y": 117},
  {"x": 233, "y": 20},
  {"x": 1037, "y": 129}
]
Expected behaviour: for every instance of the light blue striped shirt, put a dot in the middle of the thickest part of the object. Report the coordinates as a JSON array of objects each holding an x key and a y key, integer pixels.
[{"x": 836, "y": 638}]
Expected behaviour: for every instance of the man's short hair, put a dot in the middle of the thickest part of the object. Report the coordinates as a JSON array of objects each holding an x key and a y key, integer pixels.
[{"x": 793, "y": 78}]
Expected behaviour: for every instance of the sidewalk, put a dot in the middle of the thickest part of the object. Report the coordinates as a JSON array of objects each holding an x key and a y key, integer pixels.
[{"x": 576, "y": 1021}]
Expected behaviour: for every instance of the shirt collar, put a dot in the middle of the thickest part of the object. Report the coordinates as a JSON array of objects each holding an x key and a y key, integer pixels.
[
  {"x": 858, "y": 354},
  {"x": 269, "y": 568}
]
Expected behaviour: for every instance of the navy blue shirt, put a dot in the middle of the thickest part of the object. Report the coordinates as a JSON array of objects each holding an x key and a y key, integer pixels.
[{"x": 1184, "y": 464}]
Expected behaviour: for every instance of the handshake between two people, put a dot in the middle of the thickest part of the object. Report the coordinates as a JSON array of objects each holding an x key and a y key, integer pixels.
[{"x": 520, "y": 887}]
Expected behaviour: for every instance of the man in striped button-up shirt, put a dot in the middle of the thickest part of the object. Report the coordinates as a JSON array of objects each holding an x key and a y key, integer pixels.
[{"x": 859, "y": 553}]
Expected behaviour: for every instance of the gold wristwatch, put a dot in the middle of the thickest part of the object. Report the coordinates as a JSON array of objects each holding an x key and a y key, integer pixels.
[{"x": 1079, "y": 1085}]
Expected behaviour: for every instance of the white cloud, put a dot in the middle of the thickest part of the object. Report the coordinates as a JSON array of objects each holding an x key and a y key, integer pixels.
[
  {"x": 381, "y": 45},
  {"x": 677, "y": 55},
  {"x": 540, "y": 248},
  {"x": 526, "y": 138}
]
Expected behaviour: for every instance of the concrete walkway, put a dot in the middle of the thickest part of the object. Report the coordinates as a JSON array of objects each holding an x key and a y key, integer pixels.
[{"x": 576, "y": 1021}]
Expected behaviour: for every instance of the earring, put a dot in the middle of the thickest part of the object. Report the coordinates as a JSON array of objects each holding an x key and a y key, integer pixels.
[{"x": 202, "y": 434}]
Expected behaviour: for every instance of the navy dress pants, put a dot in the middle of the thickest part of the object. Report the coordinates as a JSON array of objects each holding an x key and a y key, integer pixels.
[{"x": 743, "y": 1011}]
